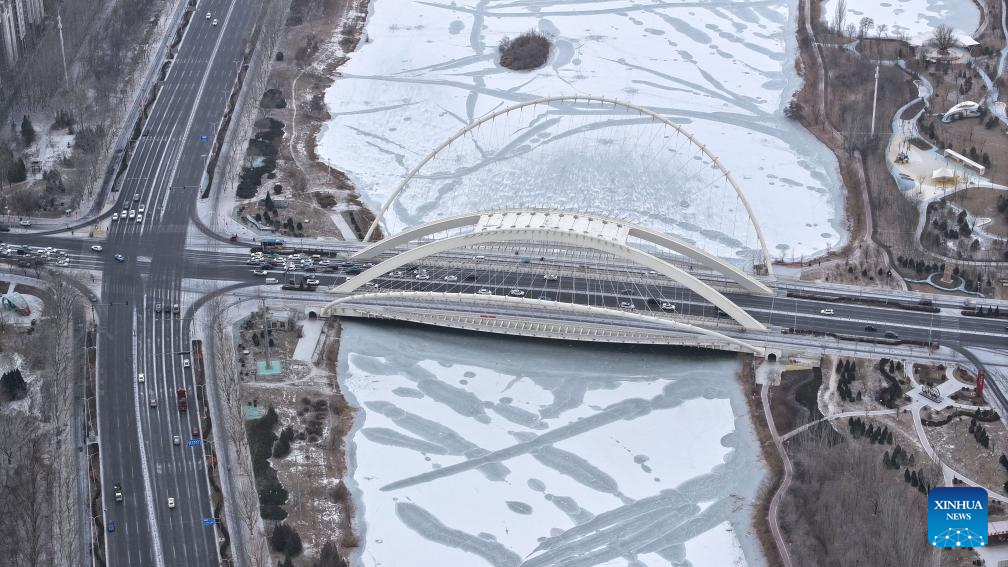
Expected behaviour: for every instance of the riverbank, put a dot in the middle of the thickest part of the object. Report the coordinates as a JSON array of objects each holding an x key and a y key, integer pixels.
[{"x": 768, "y": 451}]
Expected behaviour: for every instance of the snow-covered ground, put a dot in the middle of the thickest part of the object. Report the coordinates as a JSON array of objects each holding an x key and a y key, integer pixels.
[
  {"x": 722, "y": 70},
  {"x": 473, "y": 450},
  {"x": 917, "y": 19}
]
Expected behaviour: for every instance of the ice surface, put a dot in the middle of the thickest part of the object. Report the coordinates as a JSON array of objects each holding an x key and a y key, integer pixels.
[
  {"x": 631, "y": 455},
  {"x": 722, "y": 70},
  {"x": 915, "y": 18}
]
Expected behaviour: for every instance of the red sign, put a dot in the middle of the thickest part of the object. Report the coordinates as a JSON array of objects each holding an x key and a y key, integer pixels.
[{"x": 980, "y": 382}]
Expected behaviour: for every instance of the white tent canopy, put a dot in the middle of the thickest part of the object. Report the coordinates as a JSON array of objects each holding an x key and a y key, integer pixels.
[{"x": 942, "y": 173}]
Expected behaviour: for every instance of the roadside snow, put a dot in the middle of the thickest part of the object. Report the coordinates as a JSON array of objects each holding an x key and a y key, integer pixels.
[
  {"x": 724, "y": 72},
  {"x": 469, "y": 450}
]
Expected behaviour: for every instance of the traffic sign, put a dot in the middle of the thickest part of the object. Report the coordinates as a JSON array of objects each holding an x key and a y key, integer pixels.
[
  {"x": 193, "y": 442},
  {"x": 204, "y": 138},
  {"x": 208, "y": 521}
]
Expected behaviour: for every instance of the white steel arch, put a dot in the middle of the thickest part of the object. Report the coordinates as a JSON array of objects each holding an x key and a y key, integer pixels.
[
  {"x": 584, "y": 309},
  {"x": 670, "y": 242},
  {"x": 565, "y": 238},
  {"x": 574, "y": 98}
]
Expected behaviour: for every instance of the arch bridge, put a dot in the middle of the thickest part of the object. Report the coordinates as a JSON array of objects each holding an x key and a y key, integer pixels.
[
  {"x": 542, "y": 272},
  {"x": 555, "y": 274}
]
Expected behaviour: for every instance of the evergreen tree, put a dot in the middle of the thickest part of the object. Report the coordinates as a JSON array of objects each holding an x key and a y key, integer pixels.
[
  {"x": 13, "y": 384},
  {"x": 889, "y": 439},
  {"x": 27, "y": 131},
  {"x": 885, "y": 459},
  {"x": 17, "y": 172},
  {"x": 913, "y": 478},
  {"x": 329, "y": 556},
  {"x": 906, "y": 475}
]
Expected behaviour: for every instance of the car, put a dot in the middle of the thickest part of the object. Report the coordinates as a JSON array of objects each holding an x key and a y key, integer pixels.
[
  {"x": 140, "y": 378},
  {"x": 324, "y": 263},
  {"x": 479, "y": 258},
  {"x": 311, "y": 269},
  {"x": 891, "y": 335},
  {"x": 119, "y": 258},
  {"x": 175, "y": 308},
  {"x": 666, "y": 306},
  {"x": 176, "y": 439},
  {"x": 117, "y": 492},
  {"x": 826, "y": 312},
  {"x": 551, "y": 277},
  {"x": 372, "y": 285},
  {"x": 265, "y": 266},
  {"x": 136, "y": 196},
  {"x": 195, "y": 432},
  {"x": 626, "y": 291},
  {"x": 185, "y": 363},
  {"x": 870, "y": 328},
  {"x": 260, "y": 272},
  {"x": 525, "y": 261},
  {"x": 423, "y": 276},
  {"x": 547, "y": 298},
  {"x": 111, "y": 526},
  {"x": 252, "y": 261},
  {"x": 115, "y": 216},
  {"x": 451, "y": 278},
  {"x": 26, "y": 222},
  {"x": 171, "y": 503},
  {"x": 157, "y": 307},
  {"x": 627, "y": 305},
  {"x": 311, "y": 281},
  {"x": 139, "y": 218},
  {"x": 484, "y": 291},
  {"x": 132, "y": 213},
  {"x": 517, "y": 293},
  {"x": 397, "y": 274},
  {"x": 153, "y": 402},
  {"x": 208, "y": 16},
  {"x": 214, "y": 23},
  {"x": 140, "y": 209},
  {"x": 96, "y": 248}
]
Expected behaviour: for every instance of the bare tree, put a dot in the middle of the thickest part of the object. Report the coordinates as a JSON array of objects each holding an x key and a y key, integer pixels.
[
  {"x": 881, "y": 30},
  {"x": 944, "y": 38},
  {"x": 840, "y": 16},
  {"x": 864, "y": 26}
]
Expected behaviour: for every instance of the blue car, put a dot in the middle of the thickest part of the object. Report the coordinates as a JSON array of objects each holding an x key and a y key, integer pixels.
[
  {"x": 120, "y": 258},
  {"x": 111, "y": 526}
]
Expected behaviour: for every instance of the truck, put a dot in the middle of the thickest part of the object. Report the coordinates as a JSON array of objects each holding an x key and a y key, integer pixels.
[
  {"x": 117, "y": 491},
  {"x": 183, "y": 405}
]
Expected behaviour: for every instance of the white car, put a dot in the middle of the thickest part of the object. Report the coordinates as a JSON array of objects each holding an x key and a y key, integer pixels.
[
  {"x": 260, "y": 272},
  {"x": 139, "y": 218},
  {"x": 484, "y": 291},
  {"x": 122, "y": 215},
  {"x": 423, "y": 276},
  {"x": 26, "y": 222},
  {"x": 311, "y": 281},
  {"x": 208, "y": 16},
  {"x": 397, "y": 274},
  {"x": 372, "y": 285},
  {"x": 451, "y": 278},
  {"x": 825, "y": 311},
  {"x": 176, "y": 439},
  {"x": 153, "y": 402},
  {"x": 479, "y": 258},
  {"x": 115, "y": 216},
  {"x": 550, "y": 277},
  {"x": 140, "y": 378},
  {"x": 132, "y": 213},
  {"x": 171, "y": 502},
  {"x": 96, "y": 248},
  {"x": 140, "y": 209},
  {"x": 666, "y": 306},
  {"x": 627, "y": 305},
  {"x": 517, "y": 293},
  {"x": 185, "y": 363},
  {"x": 214, "y": 22}
]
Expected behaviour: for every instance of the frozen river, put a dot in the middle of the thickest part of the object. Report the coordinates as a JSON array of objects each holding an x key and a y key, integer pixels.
[
  {"x": 473, "y": 450},
  {"x": 723, "y": 70}
]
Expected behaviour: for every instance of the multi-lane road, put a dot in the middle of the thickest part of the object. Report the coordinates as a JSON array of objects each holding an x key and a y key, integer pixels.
[{"x": 163, "y": 176}]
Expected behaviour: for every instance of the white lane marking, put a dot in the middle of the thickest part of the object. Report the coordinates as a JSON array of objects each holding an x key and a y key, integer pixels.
[{"x": 148, "y": 492}]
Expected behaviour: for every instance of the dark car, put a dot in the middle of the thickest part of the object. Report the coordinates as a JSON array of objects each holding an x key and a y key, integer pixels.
[
  {"x": 4, "y": 228},
  {"x": 195, "y": 432},
  {"x": 870, "y": 328},
  {"x": 311, "y": 269},
  {"x": 353, "y": 271},
  {"x": 891, "y": 335},
  {"x": 111, "y": 526},
  {"x": 158, "y": 307}
]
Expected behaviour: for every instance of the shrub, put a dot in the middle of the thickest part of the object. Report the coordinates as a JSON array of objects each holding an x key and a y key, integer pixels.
[
  {"x": 527, "y": 51},
  {"x": 286, "y": 540},
  {"x": 14, "y": 385}
]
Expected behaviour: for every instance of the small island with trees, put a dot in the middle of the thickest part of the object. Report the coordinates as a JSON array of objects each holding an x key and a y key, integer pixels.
[{"x": 529, "y": 50}]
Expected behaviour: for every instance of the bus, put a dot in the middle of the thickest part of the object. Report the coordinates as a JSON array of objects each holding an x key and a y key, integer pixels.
[{"x": 272, "y": 245}]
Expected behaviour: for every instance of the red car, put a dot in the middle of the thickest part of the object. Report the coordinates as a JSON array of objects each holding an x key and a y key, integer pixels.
[{"x": 195, "y": 432}]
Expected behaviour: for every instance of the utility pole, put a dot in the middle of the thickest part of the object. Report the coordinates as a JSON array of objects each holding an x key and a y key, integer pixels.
[
  {"x": 874, "y": 102},
  {"x": 59, "y": 26}
]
